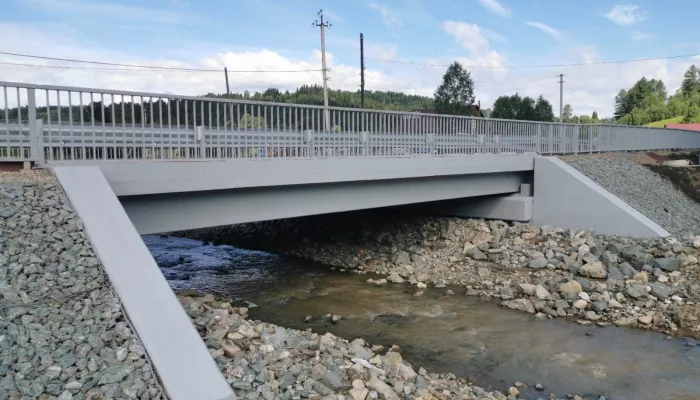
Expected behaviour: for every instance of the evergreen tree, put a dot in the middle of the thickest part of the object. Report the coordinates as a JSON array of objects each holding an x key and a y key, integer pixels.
[
  {"x": 691, "y": 81},
  {"x": 543, "y": 110},
  {"x": 456, "y": 93},
  {"x": 568, "y": 113}
]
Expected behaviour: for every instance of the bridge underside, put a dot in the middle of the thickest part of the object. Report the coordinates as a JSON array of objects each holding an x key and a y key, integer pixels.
[{"x": 171, "y": 212}]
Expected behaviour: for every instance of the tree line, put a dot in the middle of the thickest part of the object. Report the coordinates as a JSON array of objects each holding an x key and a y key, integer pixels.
[{"x": 648, "y": 101}]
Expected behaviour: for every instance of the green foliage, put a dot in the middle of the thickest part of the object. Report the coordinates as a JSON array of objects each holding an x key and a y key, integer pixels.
[
  {"x": 594, "y": 116},
  {"x": 691, "y": 81},
  {"x": 456, "y": 93},
  {"x": 644, "y": 94},
  {"x": 522, "y": 108},
  {"x": 567, "y": 113},
  {"x": 543, "y": 110},
  {"x": 248, "y": 121},
  {"x": 692, "y": 115}
]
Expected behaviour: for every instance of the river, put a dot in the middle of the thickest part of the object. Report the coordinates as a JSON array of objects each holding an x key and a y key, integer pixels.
[{"x": 472, "y": 338}]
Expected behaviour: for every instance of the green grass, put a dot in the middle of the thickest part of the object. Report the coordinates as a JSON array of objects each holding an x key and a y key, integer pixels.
[{"x": 660, "y": 124}]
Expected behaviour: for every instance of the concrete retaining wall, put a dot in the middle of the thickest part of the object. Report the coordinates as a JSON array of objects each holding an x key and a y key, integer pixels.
[
  {"x": 181, "y": 359},
  {"x": 565, "y": 197}
]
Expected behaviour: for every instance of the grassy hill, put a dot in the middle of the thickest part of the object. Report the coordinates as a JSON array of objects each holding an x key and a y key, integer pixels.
[{"x": 660, "y": 124}]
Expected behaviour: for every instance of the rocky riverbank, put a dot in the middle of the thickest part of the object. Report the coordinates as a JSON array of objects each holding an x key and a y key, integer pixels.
[
  {"x": 264, "y": 361},
  {"x": 63, "y": 333},
  {"x": 548, "y": 272}
]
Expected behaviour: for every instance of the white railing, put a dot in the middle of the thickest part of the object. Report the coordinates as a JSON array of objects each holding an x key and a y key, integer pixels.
[{"x": 55, "y": 123}]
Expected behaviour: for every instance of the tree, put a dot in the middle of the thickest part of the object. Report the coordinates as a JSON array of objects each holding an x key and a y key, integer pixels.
[
  {"x": 522, "y": 108},
  {"x": 691, "y": 81},
  {"x": 692, "y": 115},
  {"x": 526, "y": 110},
  {"x": 506, "y": 107},
  {"x": 594, "y": 116},
  {"x": 248, "y": 121},
  {"x": 568, "y": 112},
  {"x": 543, "y": 110},
  {"x": 456, "y": 93}
]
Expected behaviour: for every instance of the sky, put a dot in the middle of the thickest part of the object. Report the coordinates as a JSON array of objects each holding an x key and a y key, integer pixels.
[{"x": 508, "y": 46}]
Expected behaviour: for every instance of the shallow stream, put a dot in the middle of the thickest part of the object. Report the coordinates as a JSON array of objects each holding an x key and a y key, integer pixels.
[{"x": 475, "y": 339}]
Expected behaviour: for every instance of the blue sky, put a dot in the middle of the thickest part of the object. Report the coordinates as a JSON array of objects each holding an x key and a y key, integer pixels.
[{"x": 492, "y": 37}]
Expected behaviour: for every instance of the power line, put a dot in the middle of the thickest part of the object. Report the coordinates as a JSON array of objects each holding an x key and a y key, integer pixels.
[
  {"x": 541, "y": 65},
  {"x": 148, "y": 66}
]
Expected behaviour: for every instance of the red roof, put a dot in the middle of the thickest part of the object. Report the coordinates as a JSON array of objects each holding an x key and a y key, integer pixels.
[{"x": 687, "y": 127}]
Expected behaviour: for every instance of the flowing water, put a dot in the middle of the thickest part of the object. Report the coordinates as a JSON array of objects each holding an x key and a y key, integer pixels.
[{"x": 473, "y": 338}]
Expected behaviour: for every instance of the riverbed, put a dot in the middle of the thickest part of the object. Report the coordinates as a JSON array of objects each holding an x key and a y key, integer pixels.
[{"x": 472, "y": 338}]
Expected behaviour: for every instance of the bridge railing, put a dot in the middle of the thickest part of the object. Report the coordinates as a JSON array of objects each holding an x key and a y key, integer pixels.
[{"x": 56, "y": 123}]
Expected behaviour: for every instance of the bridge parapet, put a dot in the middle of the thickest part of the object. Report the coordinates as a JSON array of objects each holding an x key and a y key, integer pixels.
[{"x": 48, "y": 124}]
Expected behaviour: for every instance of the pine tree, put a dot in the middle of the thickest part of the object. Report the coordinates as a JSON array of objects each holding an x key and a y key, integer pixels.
[{"x": 691, "y": 81}]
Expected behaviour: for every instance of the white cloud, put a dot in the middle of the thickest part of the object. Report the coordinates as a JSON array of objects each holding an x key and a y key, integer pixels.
[
  {"x": 587, "y": 88},
  {"x": 468, "y": 35},
  {"x": 389, "y": 18},
  {"x": 626, "y": 14},
  {"x": 555, "y": 33},
  {"x": 639, "y": 35},
  {"x": 496, "y": 8}
]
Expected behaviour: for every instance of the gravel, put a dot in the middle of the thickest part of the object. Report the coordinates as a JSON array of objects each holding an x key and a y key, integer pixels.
[
  {"x": 646, "y": 191},
  {"x": 63, "y": 333},
  {"x": 576, "y": 274}
]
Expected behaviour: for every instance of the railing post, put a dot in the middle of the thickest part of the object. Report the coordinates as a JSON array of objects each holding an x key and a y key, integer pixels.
[
  {"x": 31, "y": 117},
  {"x": 309, "y": 142},
  {"x": 40, "y": 156},
  {"x": 199, "y": 137}
]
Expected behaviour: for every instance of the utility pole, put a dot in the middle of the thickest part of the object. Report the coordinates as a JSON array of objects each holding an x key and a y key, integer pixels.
[
  {"x": 362, "y": 72},
  {"x": 228, "y": 91},
  {"x": 561, "y": 97},
  {"x": 323, "y": 26}
]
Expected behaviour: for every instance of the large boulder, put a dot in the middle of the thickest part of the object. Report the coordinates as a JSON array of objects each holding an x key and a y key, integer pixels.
[
  {"x": 571, "y": 288},
  {"x": 520, "y": 305}
]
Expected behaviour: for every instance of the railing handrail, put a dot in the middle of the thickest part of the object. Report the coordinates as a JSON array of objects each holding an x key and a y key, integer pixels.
[{"x": 78, "y": 89}]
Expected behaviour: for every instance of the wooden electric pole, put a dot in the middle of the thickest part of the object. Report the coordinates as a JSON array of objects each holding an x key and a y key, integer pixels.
[
  {"x": 228, "y": 91},
  {"x": 323, "y": 26},
  {"x": 362, "y": 72}
]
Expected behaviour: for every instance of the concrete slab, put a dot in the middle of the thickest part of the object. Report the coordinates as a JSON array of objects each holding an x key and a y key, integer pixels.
[
  {"x": 507, "y": 208},
  {"x": 566, "y": 198},
  {"x": 180, "y": 358},
  {"x": 149, "y": 177}
]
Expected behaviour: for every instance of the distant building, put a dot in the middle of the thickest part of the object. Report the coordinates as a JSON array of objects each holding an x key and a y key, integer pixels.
[{"x": 686, "y": 127}]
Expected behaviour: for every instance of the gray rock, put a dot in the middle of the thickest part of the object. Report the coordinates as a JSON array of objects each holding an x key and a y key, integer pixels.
[
  {"x": 636, "y": 291},
  {"x": 382, "y": 388},
  {"x": 660, "y": 290},
  {"x": 520, "y": 305},
  {"x": 538, "y": 264},
  {"x": 615, "y": 274},
  {"x": 542, "y": 293},
  {"x": 609, "y": 258},
  {"x": 395, "y": 278},
  {"x": 669, "y": 264},
  {"x": 402, "y": 257},
  {"x": 627, "y": 270},
  {"x": 599, "y": 306},
  {"x": 476, "y": 254}
]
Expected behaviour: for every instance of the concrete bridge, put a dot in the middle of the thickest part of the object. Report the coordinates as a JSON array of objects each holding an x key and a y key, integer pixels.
[{"x": 136, "y": 163}]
